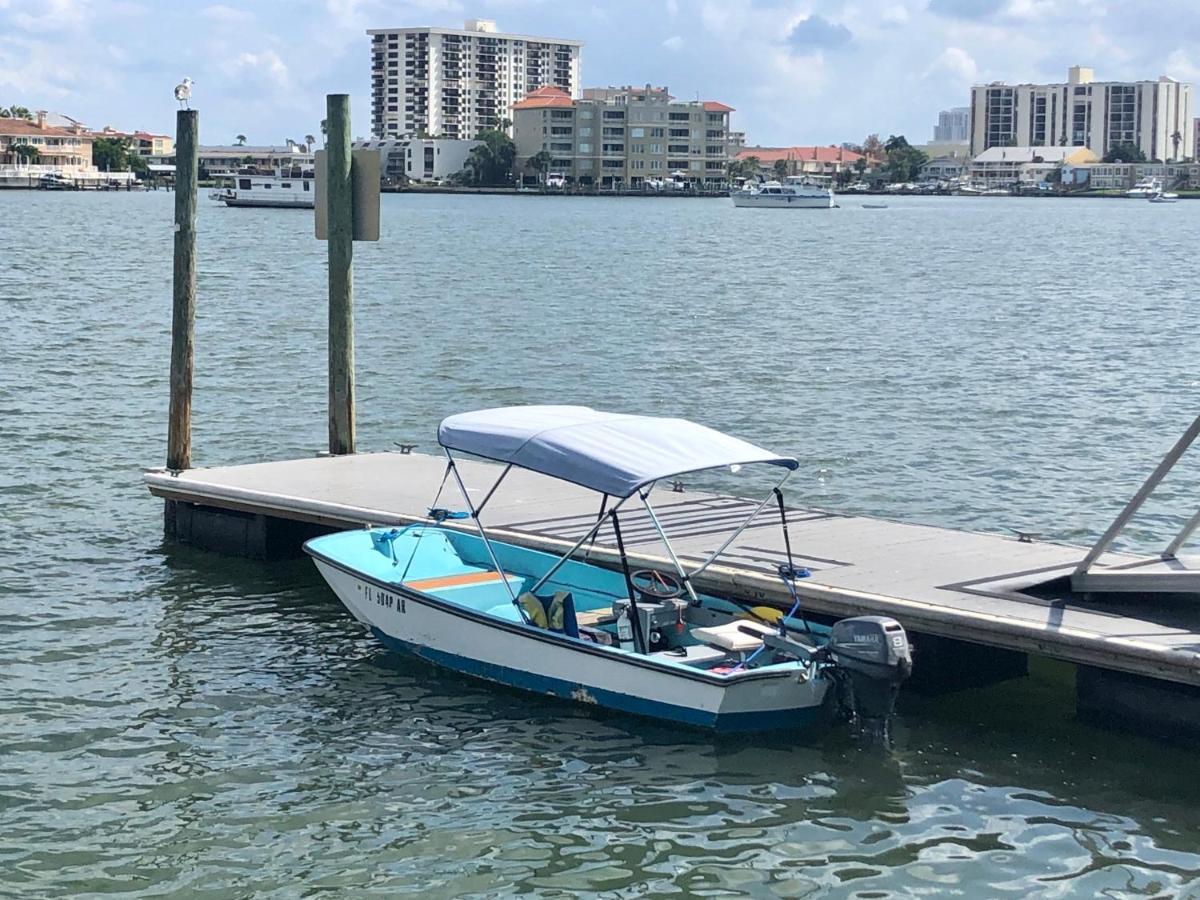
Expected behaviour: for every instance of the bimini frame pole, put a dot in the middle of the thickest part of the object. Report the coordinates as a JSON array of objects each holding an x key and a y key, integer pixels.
[
  {"x": 462, "y": 489},
  {"x": 662, "y": 534},
  {"x": 488, "y": 496},
  {"x": 583, "y": 540},
  {"x": 733, "y": 537}
]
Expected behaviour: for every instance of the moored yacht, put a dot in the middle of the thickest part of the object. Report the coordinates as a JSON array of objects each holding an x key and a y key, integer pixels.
[
  {"x": 1145, "y": 188},
  {"x": 795, "y": 193},
  {"x": 286, "y": 188}
]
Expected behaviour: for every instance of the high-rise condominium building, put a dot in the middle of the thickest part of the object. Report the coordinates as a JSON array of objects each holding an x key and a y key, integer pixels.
[
  {"x": 454, "y": 83},
  {"x": 953, "y": 126},
  {"x": 1155, "y": 116}
]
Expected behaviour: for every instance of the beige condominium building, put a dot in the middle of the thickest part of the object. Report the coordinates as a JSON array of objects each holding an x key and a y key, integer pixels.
[
  {"x": 453, "y": 83},
  {"x": 614, "y": 137},
  {"x": 1156, "y": 116}
]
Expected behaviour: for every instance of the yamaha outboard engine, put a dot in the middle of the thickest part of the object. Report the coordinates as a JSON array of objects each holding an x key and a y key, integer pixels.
[{"x": 873, "y": 657}]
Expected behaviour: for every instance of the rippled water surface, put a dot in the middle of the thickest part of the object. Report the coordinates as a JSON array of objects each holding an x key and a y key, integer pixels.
[{"x": 177, "y": 723}]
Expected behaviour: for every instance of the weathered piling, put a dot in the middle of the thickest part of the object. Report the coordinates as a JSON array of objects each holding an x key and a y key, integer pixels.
[
  {"x": 339, "y": 193},
  {"x": 183, "y": 317}
]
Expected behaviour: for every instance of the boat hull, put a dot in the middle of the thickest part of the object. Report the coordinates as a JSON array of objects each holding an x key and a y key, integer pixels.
[
  {"x": 777, "y": 201},
  {"x": 263, "y": 202},
  {"x": 533, "y": 659}
]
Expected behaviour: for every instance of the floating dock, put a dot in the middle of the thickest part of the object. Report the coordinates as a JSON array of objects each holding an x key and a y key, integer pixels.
[{"x": 981, "y": 601}]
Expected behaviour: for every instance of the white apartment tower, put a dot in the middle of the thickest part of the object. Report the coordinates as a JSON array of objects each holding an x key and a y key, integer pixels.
[
  {"x": 454, "y": 83},
  {"x": 1156, "y": 116}
]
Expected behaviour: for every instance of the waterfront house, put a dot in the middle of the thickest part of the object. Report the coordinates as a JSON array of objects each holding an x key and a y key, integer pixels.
[
  {"x": 143, "y": 143},
  {"x": 944, "y": 168},
  {"x": 223, "y": 160},
  {"x": 63, "y": 152},
  {"x": 68, "y": 150},
  {"x": 1001, "y": 167},
  {"x": 819, "y": 164},
  {"x": 1122, "y": 176}
]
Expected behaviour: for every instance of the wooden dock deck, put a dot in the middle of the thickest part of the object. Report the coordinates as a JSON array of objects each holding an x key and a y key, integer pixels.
[{"x": 985, "y": 589}]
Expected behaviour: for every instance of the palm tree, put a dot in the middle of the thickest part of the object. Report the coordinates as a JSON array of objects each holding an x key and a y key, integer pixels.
[
  {"x": 309, "y": 140},
  {"x": 241, "y": 140},
  {"x": 539, "y": 163},
  {"x": 781, "y": 168},
  {"x": 1175, "y": 140},
  {"x": 27, "y": 153},
  {"x": 16, "y": 112}
]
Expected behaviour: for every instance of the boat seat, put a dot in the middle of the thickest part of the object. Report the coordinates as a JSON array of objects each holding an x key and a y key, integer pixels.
[
  {"x": 461, "y": 579},
  {"x": 700, "y": 655},
  {"x": 479, "y": 589},
  {"x": 731, "y": 637},
  {"x": 594, "y": 617}
]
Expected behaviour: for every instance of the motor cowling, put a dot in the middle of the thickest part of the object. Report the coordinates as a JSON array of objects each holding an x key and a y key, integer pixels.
[{"x": 873, "y": 656}]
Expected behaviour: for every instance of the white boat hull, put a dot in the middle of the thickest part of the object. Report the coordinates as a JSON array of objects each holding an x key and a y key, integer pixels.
[
  {"x": 536, "y": 660},
  {"x": 280, "y": 203},
  {"x": 747, "y": 199}
]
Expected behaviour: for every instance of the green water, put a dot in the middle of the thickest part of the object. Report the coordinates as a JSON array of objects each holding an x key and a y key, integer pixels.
[{"x": 174, "y": 723}]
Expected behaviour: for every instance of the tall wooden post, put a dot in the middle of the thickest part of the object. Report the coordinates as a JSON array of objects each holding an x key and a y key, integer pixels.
[
  {"x": 340, "y": 230},
  {"x": 183, "y": 318}
]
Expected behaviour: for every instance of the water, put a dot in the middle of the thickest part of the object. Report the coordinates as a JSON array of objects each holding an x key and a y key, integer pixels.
[{"x": 175, "y": 723}]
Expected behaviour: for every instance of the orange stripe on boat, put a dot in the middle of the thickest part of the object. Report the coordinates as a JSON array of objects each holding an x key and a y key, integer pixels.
[{"x": 445, "y": 581}]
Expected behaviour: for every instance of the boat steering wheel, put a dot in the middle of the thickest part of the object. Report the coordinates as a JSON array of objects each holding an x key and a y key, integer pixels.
[{"x": 656, "y": 585}]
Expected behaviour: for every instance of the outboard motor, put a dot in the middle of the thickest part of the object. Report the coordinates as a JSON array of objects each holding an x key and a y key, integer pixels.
[{"x": 873, "y": 657}]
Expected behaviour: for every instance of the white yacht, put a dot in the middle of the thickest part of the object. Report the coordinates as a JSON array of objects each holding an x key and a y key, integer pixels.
[
  {"x": 1146, "y": 188},
  {"x": 794, "y": 194},
  {"x": 294, "y": 188}
]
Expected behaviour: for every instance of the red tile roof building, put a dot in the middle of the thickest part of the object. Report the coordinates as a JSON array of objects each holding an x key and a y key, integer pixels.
[
  {"x": 69, "y": 149},
  {"x": 622, "y": 137},
  {"x": 820, "y": 161}
]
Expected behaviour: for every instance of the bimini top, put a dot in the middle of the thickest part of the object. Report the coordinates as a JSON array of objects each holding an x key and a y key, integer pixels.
[{"x": 607, "y": 452}]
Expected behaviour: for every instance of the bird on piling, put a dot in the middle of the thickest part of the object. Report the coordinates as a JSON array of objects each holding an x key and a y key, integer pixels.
[{"x": 183, "y": 92}]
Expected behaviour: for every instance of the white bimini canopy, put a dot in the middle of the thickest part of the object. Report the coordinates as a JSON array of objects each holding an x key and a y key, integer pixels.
[{"x": 608, "y": 452}]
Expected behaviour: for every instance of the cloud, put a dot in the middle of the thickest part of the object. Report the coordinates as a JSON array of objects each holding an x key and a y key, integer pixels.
[
  {"x": 53, "y": 15},
  {"x": 817, "y": 32},
  {"x": 954, "y": 63},
  {"x": 266, "y": 63},
  {"x": 673, "y": 43},
  {"x": 219, "y": 12},
  {"x": 973, "y": 10},
  {"x": 1182, "y": 67}
]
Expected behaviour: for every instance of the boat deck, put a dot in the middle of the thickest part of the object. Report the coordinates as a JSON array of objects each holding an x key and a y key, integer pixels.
[{"x": 989, "y": 589}]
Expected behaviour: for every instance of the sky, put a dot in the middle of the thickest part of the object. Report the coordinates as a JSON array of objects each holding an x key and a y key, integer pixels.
[{"x": 797, "y": 72}]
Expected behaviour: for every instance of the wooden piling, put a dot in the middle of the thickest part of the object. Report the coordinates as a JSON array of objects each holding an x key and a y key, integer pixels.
[
  {"x": 183, "y": 318},
  {"x": 340, "y": 231}
]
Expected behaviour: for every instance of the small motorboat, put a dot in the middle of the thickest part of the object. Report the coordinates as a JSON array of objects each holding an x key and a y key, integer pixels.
[
  {"x": 646, "y": 641},
  {"x": 795, "y": 193},
  {"x": 874, "y": 206},
  {"x": 1163, "y": 197}
]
